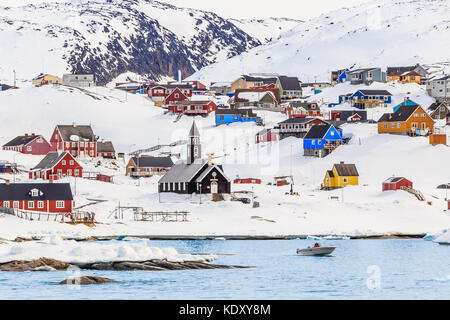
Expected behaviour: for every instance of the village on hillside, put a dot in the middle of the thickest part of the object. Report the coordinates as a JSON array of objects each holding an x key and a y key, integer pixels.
[{"x": 72, "y": 175}]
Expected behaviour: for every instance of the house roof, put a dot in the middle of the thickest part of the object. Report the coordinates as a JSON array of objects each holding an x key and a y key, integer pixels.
[
  {"x": 20, "y": 140},
  {"x": 346, "y": 170},
  {"x": 375, "y": 92},
  {"x": 394, "y": 180},
  {"x": 317, "y": 131},
  {"x": 260, "y": 79},
  {"x": 257, "y": 92},
  {"x": 105, "y": 146},
  {"x": 48, "y": 191},
  {"x": 402, "y": 114},
  {"x": 304, "y": 105},
  {"x": 263, "y": 132},
  {"x": 246, "y": 112},
  {"x": 194, "y": 102},
  {"x": 50, "y": 160},
  {"x": 208, "y": 170},
  {"x": 183, "y": 172},
  {"x": 298, "y": 120},
  {"x": 362, "y": 70},
  {"x": 407, "y": 102},
  {"x": 153, "y": 162},
  {"x": 84, "y": 132},
  {"x": 397, "y": 71},
  {"x": 289, "y": 83}
]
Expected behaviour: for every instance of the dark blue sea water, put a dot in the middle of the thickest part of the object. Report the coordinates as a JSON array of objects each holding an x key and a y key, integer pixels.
[{"x": 358, "y": 269}]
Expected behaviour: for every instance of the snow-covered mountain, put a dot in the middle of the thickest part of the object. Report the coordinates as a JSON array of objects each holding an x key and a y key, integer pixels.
[
  {"x": 265, "y": 30},
  {"x": 379, "y": 33},
  {"x": 110, "y": 37}
]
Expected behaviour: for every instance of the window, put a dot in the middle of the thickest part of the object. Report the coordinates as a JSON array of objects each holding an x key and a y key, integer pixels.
[
  {"x": 39, "y": 140},
  {"x": 177, "y": 95},
  {"x": 31, "y": 204},
  {"x": 60, "y": 204},
  {"x": 319, "y": 142},
  {"x": 398, "y": 125},
  {"x": 91, "y": 153},
  {"x": 16, "y": 205},
  {"x": 74, "y": 144},
  {"x": 64, "y": 162},
  {"x": 92, "y": 144},
  {"x": 81, "y": 144},
  {"x": 67, "y": 144},
  {"x": 416, "y": 115},
  {"x": 77, "y": 172},
  {"x": 34, "y": 193},
  {"x": 40, "y": 204},
  {"x": 332, "y": 133},
  {"x": 29, "y": 148},
  {"x": 6, "y": 204},
  {"x": 392, "y": 125},
  {"x": 345, "y": 180},
  {"x": 69, "y": 172},
  {"x": 71, "y": 162},
  {"x": 385, "y": 125},
  {"x": 313, "y": 142}
]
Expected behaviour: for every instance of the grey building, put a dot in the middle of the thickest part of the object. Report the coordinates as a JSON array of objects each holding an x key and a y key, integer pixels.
[
  {"x": 78, "y": 80},
  {"x": 367, "y": 76}
]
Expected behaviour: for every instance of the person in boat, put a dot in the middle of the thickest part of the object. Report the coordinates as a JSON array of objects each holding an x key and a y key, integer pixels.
[{"x": 316, "y": 245}]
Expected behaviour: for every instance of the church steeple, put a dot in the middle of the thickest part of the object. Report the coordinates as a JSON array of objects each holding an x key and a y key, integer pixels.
[{"x": 194, "y": 148}]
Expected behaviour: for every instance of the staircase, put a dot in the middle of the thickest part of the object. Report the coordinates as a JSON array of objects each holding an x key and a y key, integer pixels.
[{"x": 415, "y": 192}]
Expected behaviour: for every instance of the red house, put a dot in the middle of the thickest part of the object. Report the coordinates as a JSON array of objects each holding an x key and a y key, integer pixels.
[
  {"x": 175, "y": 96},
  {"x": 247, "y": 181},
  {"x": 79, "y": 141},
  {"x": 158, "y": 94},
  {"x": 29, "y": 144},
  {"x": 105, "y": 150},
  {"x": 55, "y": 166},
  {"x": 266, "y": 135},
  {"x": 395, "y": 183},
  {"x": 303, "y": 109},
  {"x": 192, "y": 107},
  {"x": 37, "y": 197}
]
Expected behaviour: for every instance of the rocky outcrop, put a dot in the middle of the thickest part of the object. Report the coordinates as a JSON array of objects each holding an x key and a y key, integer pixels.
[
  {"x": 45, "y": 264},
  {"x": 86, "y": 280},
  {"x": 153, "y": 265},
  {"x": 41, "y": 264}
]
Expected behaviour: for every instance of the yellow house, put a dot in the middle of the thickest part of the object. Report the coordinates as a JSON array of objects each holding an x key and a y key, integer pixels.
[
  {"x": 46, "y": 79},
  {"x": 410, "y": 77},
  {"x": 340, "y": 176}
]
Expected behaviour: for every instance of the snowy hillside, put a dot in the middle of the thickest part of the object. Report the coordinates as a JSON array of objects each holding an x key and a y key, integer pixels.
[
  {"x": 265, "y": 30},
  {"x": 380, "y": 33},
  {"x": 110, "y": 37},
  {"x": 132, "y": 122}
]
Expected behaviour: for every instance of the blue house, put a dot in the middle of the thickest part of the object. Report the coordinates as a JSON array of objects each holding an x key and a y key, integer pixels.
[
  {"x": 321, "y": 140},
  {"x": 407, "y": 102},
  {"x": 364, "y": 99},
  {"x": 227, "y": 116}
]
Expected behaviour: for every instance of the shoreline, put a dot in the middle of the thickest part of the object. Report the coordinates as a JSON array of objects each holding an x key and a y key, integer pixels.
[{"x": 245, "y": 237}]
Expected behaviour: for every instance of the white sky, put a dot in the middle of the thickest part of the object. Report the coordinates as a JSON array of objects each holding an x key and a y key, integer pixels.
[
  {"x": 243, "y": 9},
  {"x": 246, "y": 9}
]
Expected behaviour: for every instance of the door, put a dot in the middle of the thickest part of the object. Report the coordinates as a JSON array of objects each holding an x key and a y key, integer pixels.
[{"x": 214, "y": 188}]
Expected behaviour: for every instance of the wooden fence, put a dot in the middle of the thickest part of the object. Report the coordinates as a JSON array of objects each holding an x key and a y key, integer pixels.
[{"x": 65, "y": 217}]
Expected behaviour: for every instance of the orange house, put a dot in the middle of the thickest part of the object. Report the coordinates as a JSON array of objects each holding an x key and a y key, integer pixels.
[{"x": 410, "y": 120}]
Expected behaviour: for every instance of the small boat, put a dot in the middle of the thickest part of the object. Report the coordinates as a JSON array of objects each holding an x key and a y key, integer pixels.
[
  {"x": 313, "y": 238},
  {"x": 316, "y": 251}
]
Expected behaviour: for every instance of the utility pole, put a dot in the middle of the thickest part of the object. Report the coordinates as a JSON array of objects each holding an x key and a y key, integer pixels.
[{"x": 14, "y": 71}]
